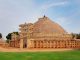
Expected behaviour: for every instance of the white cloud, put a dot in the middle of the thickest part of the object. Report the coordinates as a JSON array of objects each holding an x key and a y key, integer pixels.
[
  {"x": 12, "y": 13},
  {"x": 50, "y": 5},
  {"x": 62, "y": 21}
]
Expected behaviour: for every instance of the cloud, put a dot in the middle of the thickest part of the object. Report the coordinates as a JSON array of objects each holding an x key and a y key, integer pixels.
[
  {"x": 13, "y": 13},
  {"x": 50, "y": 5},
  {"x": 62, "y": 21}
]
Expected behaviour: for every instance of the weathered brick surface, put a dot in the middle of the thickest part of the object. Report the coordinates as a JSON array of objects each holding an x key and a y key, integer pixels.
[{"x": 43, "y": 34}]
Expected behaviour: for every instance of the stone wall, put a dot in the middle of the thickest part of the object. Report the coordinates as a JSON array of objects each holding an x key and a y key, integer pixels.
[
  {"x": 54, "y": 44},
  {"x": 14, "y": 43}
]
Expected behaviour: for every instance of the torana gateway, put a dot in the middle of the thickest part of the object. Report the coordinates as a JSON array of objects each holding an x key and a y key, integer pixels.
[{"x": 43, "y": 34}]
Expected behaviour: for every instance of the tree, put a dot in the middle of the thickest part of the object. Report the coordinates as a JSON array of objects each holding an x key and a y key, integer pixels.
[
  {"x": 16, "y": 33},
  {"x": 9, "y": 36},
  {"x": 78, "y": 36},
  {"x": 75, "y": 35},
  {"x": 0, "y": 35}
]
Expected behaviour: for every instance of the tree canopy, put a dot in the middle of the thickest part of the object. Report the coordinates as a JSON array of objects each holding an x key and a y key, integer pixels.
[
  {"x": 9, "y": 36},
  {"x": 0, "y": 35},
  {"x": 75, "y": 35},
  {"x": 78, "y": 36}
]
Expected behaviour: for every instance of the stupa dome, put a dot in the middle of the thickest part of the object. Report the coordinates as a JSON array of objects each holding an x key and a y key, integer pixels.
[{"x": 46, "y": 25}]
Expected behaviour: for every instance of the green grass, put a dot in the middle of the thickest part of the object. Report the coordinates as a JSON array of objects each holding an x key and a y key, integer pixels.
[{"x": 66, "y": 55}]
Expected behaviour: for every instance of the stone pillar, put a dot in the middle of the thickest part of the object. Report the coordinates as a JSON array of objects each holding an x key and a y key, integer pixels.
[
  {"x": 40, "y": 43},
  {"x": 21, "y": 43},
  {"x": 29, "y": 44},
  {"x": 36, "y": 44},
  {"x": 50, "y": 44}
]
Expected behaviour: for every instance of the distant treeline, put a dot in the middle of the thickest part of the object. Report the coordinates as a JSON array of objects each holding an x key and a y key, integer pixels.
[{"x": 76, "y": 35}]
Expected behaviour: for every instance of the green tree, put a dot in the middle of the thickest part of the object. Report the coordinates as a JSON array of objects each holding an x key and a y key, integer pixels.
[
  {"x": 77, "y": 35},
  {"x": 0, "y": 35},
  {"x": 73, "y": 35},
  {"x": 9, "y": 36},
  {"x": 16, "y": 33}
]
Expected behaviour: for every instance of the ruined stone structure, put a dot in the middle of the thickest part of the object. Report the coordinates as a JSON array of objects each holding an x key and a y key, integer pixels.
[
  {"x": 15, "y": 41},
  {"x": 3, "y": 43},
  {"x": 43, "y": 34}
]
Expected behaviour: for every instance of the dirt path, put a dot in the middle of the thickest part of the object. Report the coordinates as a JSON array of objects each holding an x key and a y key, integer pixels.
[{"x": 30, "y": 50}]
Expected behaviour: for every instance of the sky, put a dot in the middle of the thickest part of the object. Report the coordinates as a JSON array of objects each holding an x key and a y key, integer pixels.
[{"x": 15, "y": 12}]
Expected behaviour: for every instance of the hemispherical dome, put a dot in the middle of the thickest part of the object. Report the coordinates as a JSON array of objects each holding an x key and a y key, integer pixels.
[{"x": 47, "y": 26}]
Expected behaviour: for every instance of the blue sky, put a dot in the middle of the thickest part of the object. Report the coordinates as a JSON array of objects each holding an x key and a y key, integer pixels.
[{"x": 15, "y": 12}]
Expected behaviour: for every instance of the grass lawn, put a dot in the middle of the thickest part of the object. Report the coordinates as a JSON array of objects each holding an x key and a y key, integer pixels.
[{"x": 66, "y": 55}]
